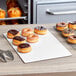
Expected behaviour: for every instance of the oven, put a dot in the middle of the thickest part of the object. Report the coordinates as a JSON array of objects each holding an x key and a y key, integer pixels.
[
  {"x": 54, "y": 11},
  {"x": 25, "y": 7}
]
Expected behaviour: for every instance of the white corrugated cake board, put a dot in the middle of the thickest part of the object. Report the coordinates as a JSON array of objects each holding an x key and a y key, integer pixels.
[{"x": 48, "y": 47}]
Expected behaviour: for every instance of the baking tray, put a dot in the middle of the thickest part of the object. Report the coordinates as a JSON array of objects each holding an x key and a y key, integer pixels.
[
  {"x": 4, "y": 6},
  {"x": 48, "y": 47}
]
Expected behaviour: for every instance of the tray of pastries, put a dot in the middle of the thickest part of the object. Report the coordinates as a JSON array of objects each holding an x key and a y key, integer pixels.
[{"x": 35, "y": 44}]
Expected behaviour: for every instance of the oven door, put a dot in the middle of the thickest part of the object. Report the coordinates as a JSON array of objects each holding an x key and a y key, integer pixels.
[{"x": 58, "y": 12}]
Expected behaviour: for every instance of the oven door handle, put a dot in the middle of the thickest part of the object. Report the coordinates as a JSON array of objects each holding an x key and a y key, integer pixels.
[{"x": 60, "y": 13}]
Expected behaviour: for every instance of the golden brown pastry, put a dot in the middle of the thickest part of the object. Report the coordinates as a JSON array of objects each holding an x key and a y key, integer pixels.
[
  {"x": 14, "y": 12},
  {"x": 61, "y": 26},
  {"x": 26, "y": 32},
  {"x": 17, "y": 40},
  {"x": 2, "y": 13},
  {"x": 41, "y": 30},
  {"x": 12, "y": 33},
  {"x": 72, "y": 39},
  {"x": 72, "y": 25},
  {"x": 24, "y": 48},
  {"x": 33, "y": 38},
  {"x": 67, "y": 32}
]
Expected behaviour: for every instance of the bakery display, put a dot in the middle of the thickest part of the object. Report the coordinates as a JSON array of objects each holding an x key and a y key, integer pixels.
[
  {"x": 24, "y": 48},
  {"x": 72, "y": 25},
  {"x": 17, "y": 40},
  {"x": 61, "y": 26},
  {"x": 14, "y": 12},
  {"x": 2, "y": 13},
  {"x": 67, "y": 32},
  {"x": 33, "y": 38},
  {"x": 12, "y": 33},
  {"x": 41, "y": 30},
  {"x": 72, "y": 39},
  {"x": 26, "y": 32}
]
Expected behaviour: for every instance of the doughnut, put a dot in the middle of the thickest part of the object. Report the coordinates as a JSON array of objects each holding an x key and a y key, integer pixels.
[
  {"x": 24, "y": 48},
  {"x": 14, "y": 12},
  {"x": 61, "y": 26},
  {"x": 67, "y": 32},
  {"x": 41, "y": 30},
  {"x": 72, "y": 25},
  {"x": 17, "y": 40},
  {"x": 12, "y": 33},
  {"x": 33, "y": 38},
  {"x": 72, "y": 39},
  {"x": 2, "y": 13},
  {"x": 26, "y": 32}
]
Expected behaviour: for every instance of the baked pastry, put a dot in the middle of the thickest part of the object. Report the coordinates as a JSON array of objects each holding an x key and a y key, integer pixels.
[
  {"x": 61, "y": 26},
  {"x": 12, "y": 33},
  {"x": 67, "y": 32},
  {"x": 26, "y": 32},
  {"x": 72, "y": 39},
  {"x": 72, "y": 25},
  {"x": 14, "y": 12},
  {"x": 41, "y": 30},
  {"x": 2, "y": 23},
  {"x": 2, "y": 13},
  {"x": 24, "y": 48},
  {"x": 33, "y": 38},
  {"x": 17, "y": 40}
]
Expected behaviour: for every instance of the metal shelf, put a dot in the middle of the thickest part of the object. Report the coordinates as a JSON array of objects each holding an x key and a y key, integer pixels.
[{"x": 24, "y": 17}]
